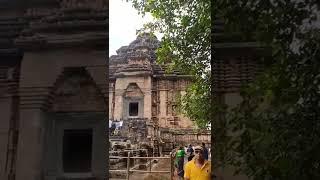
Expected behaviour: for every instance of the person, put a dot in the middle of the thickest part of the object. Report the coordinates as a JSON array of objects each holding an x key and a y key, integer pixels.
[
  {"x": 174, "y": 152},
  {"x": 190, "y": 152},
  {"x": 190, "y": 157},
  {"x": 205, "y": 151},
  {"x": 113, "y": 128},
  {"x": 198, "y": 168},
  {"x": 180, "y": 162}
]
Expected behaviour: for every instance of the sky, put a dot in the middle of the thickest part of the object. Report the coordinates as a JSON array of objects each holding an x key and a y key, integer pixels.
[{"x": 123, "y": 23}]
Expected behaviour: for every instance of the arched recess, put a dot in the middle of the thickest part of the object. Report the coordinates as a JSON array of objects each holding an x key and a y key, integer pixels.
[
  {"x": 76, "y": 91},
  {"x": 133, "y": 100},
  {"x": 133, "y": 90},
  {"x": 75, "y": 127}
]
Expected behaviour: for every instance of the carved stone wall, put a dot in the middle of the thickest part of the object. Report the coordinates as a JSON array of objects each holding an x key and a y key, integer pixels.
[
  {"x": 233, "y": 72},
  {"x": 43, "y": 77},
  {"x": 164, "y": 94},
  {"x": 76, "y": 91},
  {"x": 169, "y": 91},
  {"x": 9, "y": 105},
  {"x": 133, "y": 94},
  {"x": 70, "y": 34},
  {"x": 83, "y": 3},
  {"x": 135, "y": 129}
]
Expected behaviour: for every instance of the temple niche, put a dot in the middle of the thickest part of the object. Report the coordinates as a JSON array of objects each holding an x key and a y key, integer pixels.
[
  {"x": 133, "y": 101},
  {"x": 74, "y": 120},
  {"x": 76, "y": 91}
]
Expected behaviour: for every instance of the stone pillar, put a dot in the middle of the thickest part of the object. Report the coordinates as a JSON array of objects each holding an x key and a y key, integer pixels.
[
  {"x": 5, "y": 105},
  {"x": 147, "y": 105},
  {"x": 231, "y": 99},
  {"x": 163, "y": 109},
  {"x": 163, "y": 104},
  {"x": 111, "y": 110},
  {"x": 182, "y": 93},
  {"x": 118, "y": 108},
  {"x": 30, "y": 145},
  {"x": 147, "y": 98}
]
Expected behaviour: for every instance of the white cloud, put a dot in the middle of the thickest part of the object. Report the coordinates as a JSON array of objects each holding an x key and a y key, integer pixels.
[{"x": 123, "y": 23}]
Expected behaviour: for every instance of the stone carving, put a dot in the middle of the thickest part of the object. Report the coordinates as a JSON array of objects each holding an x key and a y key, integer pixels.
[
  {"x": 76, "y": 92},
  {"x": 234, "y": 66},
  {"x": 3, "y": 73},
  {"x": 141, "y": 48},
  {"x": 71, "y": 86},
  {"x": 52, "y": 27},
  {"x": 154, "y": 111},
  {"x": 171, "y": 95},
  {"x": 137, "y": 63},
  {"x": 163, "y": 84},
  {"x": 83, "y": 3},
  {"x": 3, "y": 90},
  {"x": 133, "y": 91},
  {"x": 154, "y": 98},
  {"x": 174, "y": 110},
  {"x": 135, "y": 129}
]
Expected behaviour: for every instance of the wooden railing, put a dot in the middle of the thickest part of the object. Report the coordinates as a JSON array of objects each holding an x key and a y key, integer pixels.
[{"x": 129, "y": 170}]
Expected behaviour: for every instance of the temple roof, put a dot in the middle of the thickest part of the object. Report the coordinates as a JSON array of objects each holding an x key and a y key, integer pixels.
[
  {"x": 10, "y": 27},
  {"x": 134, "y": 68},
  {"x": 233, "y": 70},
  {"x": 235, "y": 41},
  {"x": 54, "y": 24},
  {"x": 140, "y": 56},
  {"x": 143, "y": 47}
]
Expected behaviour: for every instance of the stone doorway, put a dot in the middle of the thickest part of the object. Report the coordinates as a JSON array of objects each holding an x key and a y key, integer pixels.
[
  {"x": 133, "y": 108},
  {"x": 77, "y": 150},
  {"x": 75, "y": 127}
]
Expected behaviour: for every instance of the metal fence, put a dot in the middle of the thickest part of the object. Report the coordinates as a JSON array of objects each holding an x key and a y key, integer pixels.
[{"x": 129, "y": 170}]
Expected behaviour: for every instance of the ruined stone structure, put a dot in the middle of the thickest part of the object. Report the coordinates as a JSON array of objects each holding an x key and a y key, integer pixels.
[
  {"x": 144, "y": 96},
  {"x": 235, "y": 65},
  {"x": 53, "y": 89}
]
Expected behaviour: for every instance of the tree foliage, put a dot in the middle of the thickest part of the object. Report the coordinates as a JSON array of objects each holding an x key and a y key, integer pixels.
[
  {"x": 185, "y": 46},
  {"x": 275, "y": 129},
  {"x": 196, "y": 102},
  {"x": 278, "y": 119}
]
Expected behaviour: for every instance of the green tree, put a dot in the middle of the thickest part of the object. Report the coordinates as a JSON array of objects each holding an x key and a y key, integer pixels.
[
  {"x": 278, "y": 120},
  {"x": 185, "y": 46},
  {"x": 277, "y": 123}
]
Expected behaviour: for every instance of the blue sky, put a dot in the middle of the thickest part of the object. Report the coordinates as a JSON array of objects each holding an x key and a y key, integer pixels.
[{"x": 123, "y": 23}]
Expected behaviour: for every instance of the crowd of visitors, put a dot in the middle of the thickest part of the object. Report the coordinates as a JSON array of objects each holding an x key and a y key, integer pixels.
[{"x": 192, "y": 162}]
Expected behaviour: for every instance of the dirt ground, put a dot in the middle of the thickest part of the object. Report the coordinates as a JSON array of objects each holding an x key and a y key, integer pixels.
[{"x": 162, "y": 165}]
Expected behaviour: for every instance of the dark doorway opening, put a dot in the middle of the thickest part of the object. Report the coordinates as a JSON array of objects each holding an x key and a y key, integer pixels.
[
  {"x": 133, "y": 109},
  {"x": 77, "y": 150}
]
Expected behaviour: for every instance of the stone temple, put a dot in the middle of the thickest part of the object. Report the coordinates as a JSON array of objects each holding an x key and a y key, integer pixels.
[
  {"x": 237, "y": 63},
  {"x": 54, "y": 91},
  {"x": 143, "y": 95}
]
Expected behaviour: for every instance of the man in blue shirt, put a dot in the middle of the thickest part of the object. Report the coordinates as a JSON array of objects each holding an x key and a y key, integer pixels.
[
  {"x": 190, "y": 152},
  {"x": 205, "y": 152}
]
